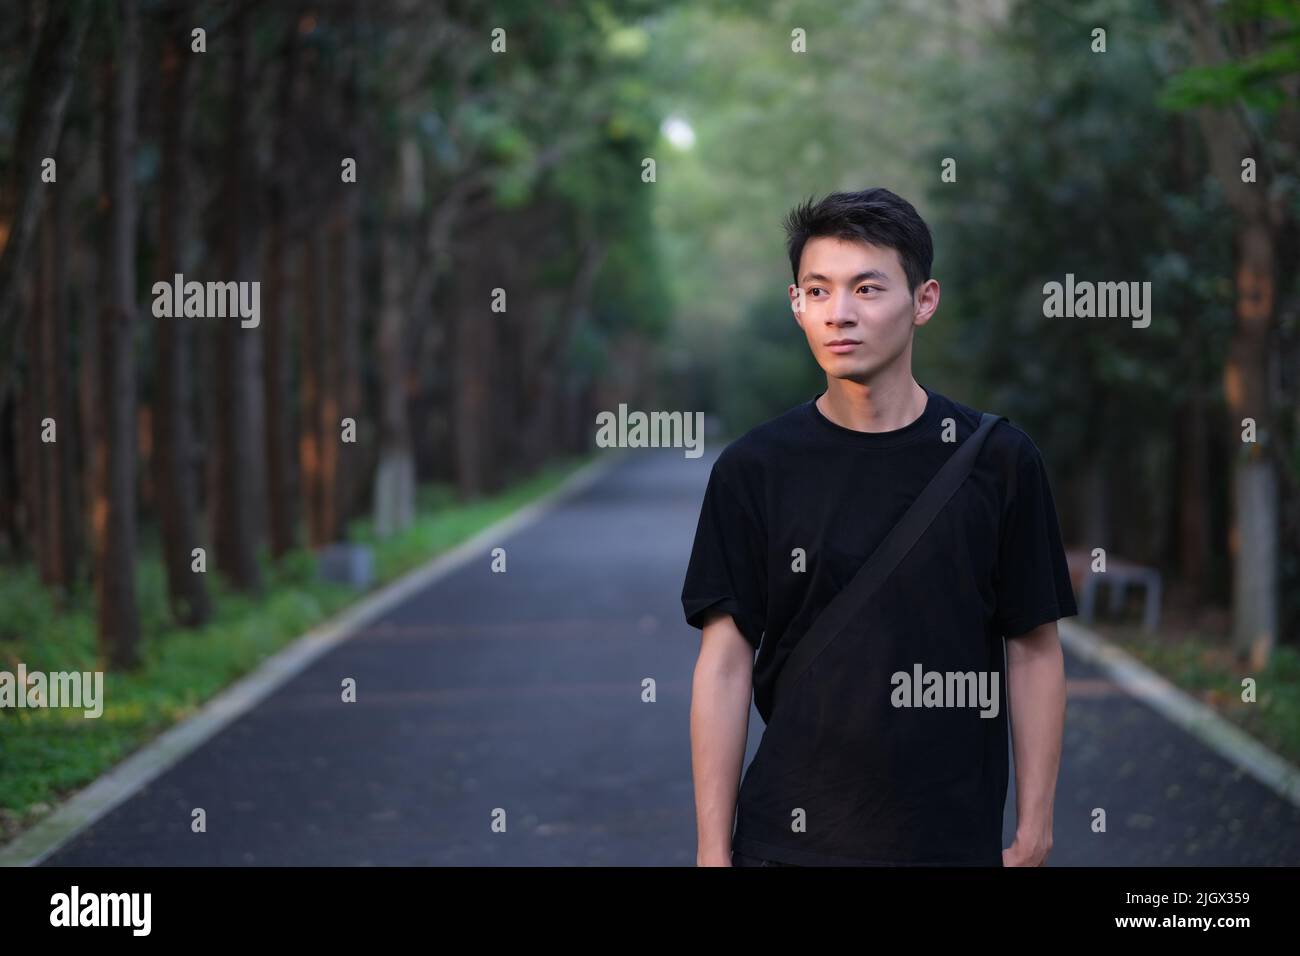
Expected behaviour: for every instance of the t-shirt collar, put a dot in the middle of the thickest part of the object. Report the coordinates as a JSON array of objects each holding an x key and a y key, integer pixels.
[{"x": 925, "y": 425}]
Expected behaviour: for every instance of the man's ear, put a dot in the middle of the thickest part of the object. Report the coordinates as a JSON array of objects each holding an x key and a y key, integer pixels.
[
  {"x": 925, "y": 301},
  {"x": 796, "y": 299}
]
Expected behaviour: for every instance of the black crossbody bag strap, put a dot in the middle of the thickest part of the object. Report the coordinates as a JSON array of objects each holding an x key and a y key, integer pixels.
[{"x": 919, "y": 516}]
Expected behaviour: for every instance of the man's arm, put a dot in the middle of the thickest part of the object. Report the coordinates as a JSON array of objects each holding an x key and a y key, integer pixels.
[
  {"x": 1036, "y": 685},
  {"x": 720, "y": 694}
]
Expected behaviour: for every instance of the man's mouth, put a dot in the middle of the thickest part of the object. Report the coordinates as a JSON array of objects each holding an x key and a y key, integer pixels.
[{"x": 841, "y": 346}]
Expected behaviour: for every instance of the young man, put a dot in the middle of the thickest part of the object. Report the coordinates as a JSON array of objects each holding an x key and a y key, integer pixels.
[{"x": 891, "y": 747}]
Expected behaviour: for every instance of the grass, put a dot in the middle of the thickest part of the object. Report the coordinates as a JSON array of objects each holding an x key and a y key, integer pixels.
[
  {"x": 47, "y": 753},
  {"x": 1205, "y": 667}
]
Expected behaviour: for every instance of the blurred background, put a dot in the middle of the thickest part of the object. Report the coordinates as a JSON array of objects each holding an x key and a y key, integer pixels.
[{"x": 505, "y": 146}]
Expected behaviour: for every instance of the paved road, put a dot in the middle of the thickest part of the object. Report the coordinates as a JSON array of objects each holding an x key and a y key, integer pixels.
[{"x": 522, "y": 691}]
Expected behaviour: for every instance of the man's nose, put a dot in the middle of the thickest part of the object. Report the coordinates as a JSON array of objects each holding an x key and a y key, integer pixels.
[{"x": 841, "y": 311}]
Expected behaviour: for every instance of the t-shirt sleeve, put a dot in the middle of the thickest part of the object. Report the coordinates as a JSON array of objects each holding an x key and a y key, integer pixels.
[
  {"x": 726, "y": 569},
  {"x": 1033, "y": 580}
]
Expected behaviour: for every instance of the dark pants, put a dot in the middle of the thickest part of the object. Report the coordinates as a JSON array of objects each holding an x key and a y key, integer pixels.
[{"x": 739, "y": 859}]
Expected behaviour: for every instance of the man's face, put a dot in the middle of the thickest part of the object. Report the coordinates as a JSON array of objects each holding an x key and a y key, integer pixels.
[{"x": 857, "y": 313}]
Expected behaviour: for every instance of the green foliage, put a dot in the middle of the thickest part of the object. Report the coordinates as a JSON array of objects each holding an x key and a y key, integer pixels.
[
  {"x": 1080, "y": 176},
  {"x": 1253, "y": 80}
]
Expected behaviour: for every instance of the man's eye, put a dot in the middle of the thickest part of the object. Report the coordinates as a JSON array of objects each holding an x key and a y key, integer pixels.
[{"x": 869, "y": 288}]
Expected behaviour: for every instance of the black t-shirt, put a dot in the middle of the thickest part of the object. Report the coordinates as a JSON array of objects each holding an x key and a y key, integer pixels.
[{"x": 874, "y": 759}]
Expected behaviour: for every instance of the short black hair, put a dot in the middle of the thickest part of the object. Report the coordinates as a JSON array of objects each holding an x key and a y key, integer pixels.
[{"x": 876, "y": 216}]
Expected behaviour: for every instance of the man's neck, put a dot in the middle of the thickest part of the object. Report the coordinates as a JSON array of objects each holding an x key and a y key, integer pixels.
[{"x": 879, "y": 406}]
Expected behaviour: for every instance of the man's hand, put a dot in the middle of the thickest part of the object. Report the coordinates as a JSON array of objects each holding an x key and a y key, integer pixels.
[
  {"x": 720, "y": 695},
  {"x": 1028, "y": 849},
  {"x": 1036, "y": 685}
]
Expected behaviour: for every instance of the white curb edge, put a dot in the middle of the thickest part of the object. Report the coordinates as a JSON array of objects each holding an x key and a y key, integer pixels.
[{"x": 1201, "y": 721}]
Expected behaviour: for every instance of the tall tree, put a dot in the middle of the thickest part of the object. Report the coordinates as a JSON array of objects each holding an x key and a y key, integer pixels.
[
  {"x": 346, "y": 275},
  {"x": 235, "y": 486},
  {"x": 281, "y": 445},
  {"x": 49, "y": 84},
  {"x": 474, "y": 337},
  {"x": 114, "y": 508},
  {"x": 314, "y": 383},
  {"x": 395, "y": 480},
  {"x": 57, "y": 542},
  {"x": 1240, "y": 62},
  {"x": 176, "y": 490}
]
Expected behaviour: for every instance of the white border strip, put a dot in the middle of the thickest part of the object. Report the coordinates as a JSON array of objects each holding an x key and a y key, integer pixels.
[
  {"x": 97, "y": 799},
  {"x": 1202, "y": 722}
]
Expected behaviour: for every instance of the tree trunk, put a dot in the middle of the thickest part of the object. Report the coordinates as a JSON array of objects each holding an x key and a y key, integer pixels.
[
  {"x": 94, "y": 417},
  {"x": 282, "y": 492},
  {"x": 42, "y": 497},
  {"x": 346, "y": 331},
  {"x": 473, "y": 338},
  {"x": 58, "y": 510},
  {"x": 346, "y": 297},
  {"x": 236, "y": 507},
  {"x": 1254, "y": 538},
  {"x": 280, "y": 474},
  {"x": 27, "y": 431},
  {"x": 1193, "y": 472},
  {"x": 65, "y": 399},
  {"x": 328, "y": 414},
  {"x": 115, "y": 526},
  {"x": 173, "y": 443},
  {"x": 45, "y": 98},
  {"x": 395, "y": 475},
  {"x": 311, "y": 337}
]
